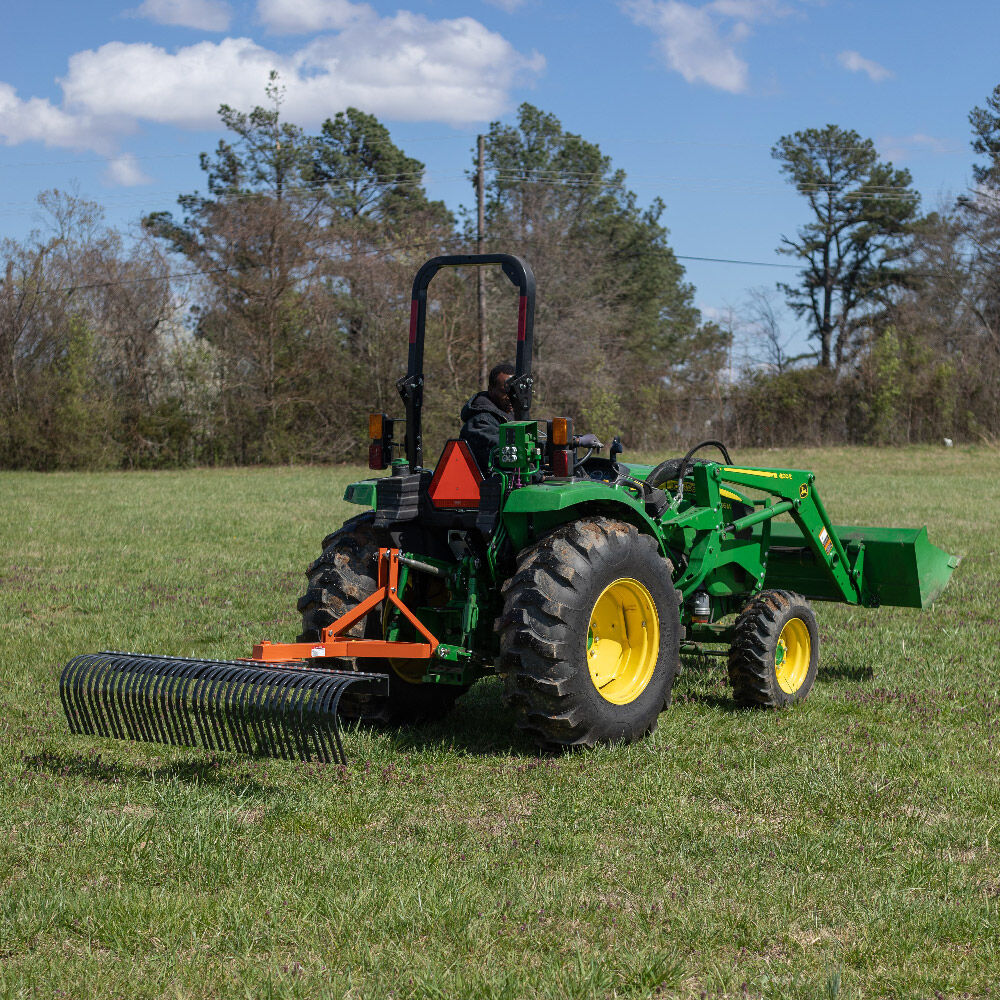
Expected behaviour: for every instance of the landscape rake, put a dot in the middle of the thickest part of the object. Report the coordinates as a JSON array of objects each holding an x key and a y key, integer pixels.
[{"x": 237, "y": 705}]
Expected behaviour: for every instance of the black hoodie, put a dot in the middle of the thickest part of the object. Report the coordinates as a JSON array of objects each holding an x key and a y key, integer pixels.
[{"x": 481, "y": 420}]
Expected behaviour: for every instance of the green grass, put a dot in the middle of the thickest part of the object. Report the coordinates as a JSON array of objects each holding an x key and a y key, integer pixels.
[{"x": 848, "y": 845}]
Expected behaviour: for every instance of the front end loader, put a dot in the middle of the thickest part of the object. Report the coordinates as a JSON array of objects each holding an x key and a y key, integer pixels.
[{"x": 578, "y": 579}]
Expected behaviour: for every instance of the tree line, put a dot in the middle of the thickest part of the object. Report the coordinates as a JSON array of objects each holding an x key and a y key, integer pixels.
[{"x": 264, "y": 317}]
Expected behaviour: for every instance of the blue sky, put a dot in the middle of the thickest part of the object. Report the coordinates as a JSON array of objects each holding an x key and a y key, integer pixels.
[{"x": 687, "y": 97}]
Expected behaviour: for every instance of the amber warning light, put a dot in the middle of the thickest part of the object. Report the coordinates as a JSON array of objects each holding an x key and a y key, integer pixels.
[{"x": 562, "y": 428}]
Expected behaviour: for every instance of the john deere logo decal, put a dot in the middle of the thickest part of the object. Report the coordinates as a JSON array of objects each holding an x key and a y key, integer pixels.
[{"x": 803, "y": 491}]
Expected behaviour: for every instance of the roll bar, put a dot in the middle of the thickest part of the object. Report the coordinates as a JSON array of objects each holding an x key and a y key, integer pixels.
[{"x": 411, "y": 388}]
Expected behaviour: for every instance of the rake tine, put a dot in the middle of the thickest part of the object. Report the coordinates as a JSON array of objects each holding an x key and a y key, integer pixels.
[
  {"x": 265, "y": 695},
  {"x": 89, "y": 688},
  {"x": 319, "y": 689},
  {"x": 247, "y": 687},
  {"x": 291, "y": 690},
  {"x": 141, "y": 701},
  {"x": 104, "y": 691},
  {"x": 167, "y": 702},
  {"x": 210, "y": 693},
  {"x": 314, "y": 731},
  {"x": 86, "y": 694},
  {"x": 166, "y": 705},
  {"x": 127, "y": 699},
  {"x": 329, "y": 732},
  {"x": 178, "y": 696},
  {"x": 139, "y": 698},
  {"x": 144, "y": 683},
  {"x": 346, "y": 682},
  {"x": 130, "y": 695},
  {"x": 69, "y": 690},
  {"x": 296, "y": 702}
]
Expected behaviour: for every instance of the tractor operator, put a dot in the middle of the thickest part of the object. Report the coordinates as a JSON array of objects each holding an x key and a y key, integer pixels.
[{"x": 488, "y": 409}]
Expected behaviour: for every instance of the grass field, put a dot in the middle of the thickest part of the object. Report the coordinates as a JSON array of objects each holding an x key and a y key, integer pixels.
[{"x": 847, "y": 847}]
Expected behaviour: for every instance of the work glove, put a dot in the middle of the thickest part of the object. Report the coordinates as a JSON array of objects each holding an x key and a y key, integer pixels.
[{"x": 589, "y": 441}]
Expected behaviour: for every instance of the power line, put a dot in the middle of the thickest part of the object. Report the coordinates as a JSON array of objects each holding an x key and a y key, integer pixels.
[
  {"x": 171, "y": 276},
  {"x": 729, "y": 260}
]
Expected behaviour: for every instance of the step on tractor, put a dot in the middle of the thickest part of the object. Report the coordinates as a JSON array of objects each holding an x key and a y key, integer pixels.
[{"x": 578, "y": 579}]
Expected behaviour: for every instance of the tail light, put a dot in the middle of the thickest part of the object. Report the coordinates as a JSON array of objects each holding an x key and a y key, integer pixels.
[
  {"x": 559, "y": 447},
  {"x": 380, "y": 433}
]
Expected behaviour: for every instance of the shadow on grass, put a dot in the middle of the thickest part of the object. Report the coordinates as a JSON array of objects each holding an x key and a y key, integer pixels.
[
  {"x": 213, "y": 771},
  {"x": 841, "y": 671},
  {"x": 697, "y": 683},
  {"x": 480, "y": 725}
]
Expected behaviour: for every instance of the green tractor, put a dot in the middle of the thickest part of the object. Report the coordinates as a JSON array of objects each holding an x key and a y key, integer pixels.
[{"x": 578, "y": 579}]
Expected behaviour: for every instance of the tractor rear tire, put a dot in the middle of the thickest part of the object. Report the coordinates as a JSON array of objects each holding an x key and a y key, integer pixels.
[
  {"x": 775, "y": 651},
  {"x": 342, "y": 577},
  {"x": 569, "y": 685}
]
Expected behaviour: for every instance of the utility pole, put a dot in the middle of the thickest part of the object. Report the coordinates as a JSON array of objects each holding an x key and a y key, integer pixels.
[{"x": 481, "y": 272}]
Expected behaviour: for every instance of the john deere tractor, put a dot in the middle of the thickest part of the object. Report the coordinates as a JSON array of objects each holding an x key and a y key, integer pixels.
[{"x": 578, "y": 579}]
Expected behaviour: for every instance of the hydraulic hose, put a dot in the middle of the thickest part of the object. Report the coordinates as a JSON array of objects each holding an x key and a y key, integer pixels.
[{"x": 686, "y": 461}]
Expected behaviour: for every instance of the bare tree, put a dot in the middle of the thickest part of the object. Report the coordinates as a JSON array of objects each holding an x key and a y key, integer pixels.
[{"x": 768, "y": 343}]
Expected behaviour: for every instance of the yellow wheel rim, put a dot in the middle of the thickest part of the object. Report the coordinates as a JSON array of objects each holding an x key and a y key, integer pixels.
[
  {"x": 623, "y": 641},
  {"x": 792, "y": 655}
]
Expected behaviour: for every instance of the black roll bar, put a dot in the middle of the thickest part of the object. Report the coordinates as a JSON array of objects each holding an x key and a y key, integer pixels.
[{"x": 411, "y": 388}]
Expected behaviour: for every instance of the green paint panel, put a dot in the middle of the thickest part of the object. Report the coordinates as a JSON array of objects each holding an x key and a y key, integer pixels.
[
  {"x": 362, "y": 493},
  {"x": 558, "y": 494}
]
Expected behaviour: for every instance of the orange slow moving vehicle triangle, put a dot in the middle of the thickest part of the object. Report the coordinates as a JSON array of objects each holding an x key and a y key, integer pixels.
[{"x": 457, "y": 478}]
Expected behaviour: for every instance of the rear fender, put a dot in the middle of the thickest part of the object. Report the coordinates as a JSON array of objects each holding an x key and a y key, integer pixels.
[{"x": 533, "y": 511}]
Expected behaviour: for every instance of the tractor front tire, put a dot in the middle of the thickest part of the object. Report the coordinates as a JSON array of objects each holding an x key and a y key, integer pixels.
[
  {"x": 775, "y": 651},
  {"x": 590, "y": 635},
  {"x": 342, "y": 577}
]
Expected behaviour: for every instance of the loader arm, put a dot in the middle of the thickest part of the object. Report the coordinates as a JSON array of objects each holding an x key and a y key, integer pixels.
[{"x": 811, "y": 556}]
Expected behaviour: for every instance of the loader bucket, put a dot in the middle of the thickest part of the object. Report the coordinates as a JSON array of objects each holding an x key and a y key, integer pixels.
[
  {"x": 900, "y": 567},
  {"x": 286, "y": 712}
]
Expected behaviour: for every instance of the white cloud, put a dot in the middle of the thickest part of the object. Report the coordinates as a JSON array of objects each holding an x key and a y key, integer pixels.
[
  {"x": 38, "y": 120},
  {"x": 508, "y": 5},
  {"x": 124, "y": 170},
  {"x": 141, "y": 81},
  {"x": 700, "y": 42},
  {"x": 905, "y": 146},
  {"x": 856, "y": 63},
  {"x": 403, "y": 67},
  {"x": 206, "y": 15},
  {"x": 691, "y": 43},
  {"x": 300, "y": 17},
  {"x": 933, "y": 143}
]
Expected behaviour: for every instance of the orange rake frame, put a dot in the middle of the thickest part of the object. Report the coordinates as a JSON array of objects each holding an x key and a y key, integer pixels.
[{"x": 333, "y": 642}]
